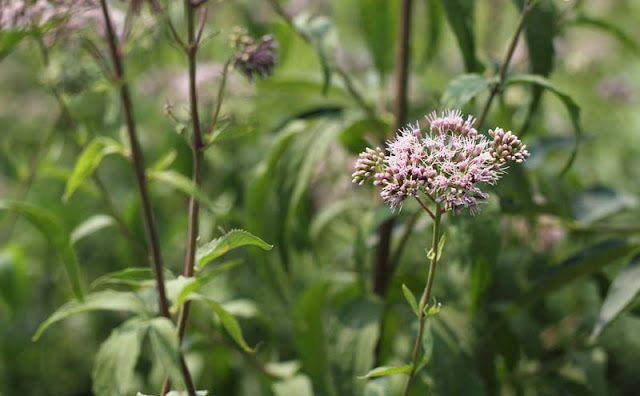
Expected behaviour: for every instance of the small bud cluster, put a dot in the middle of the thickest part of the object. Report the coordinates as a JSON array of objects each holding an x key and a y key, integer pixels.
[
  {"x": 448, "y": 164},
  {"x": 507, "y": 147},
  {"x": 254, "y": 58},
  {"x": 24, "y": 14}
]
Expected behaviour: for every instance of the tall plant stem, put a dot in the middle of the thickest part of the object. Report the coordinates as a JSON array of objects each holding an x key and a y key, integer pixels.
[
  {"x": 383, "y": 270},
  {"x": 507, "y": 60},
  {"x": 197, "y": 147},
  {"x": 138, "y": 165},
  {"x": 424, "y": 301}
]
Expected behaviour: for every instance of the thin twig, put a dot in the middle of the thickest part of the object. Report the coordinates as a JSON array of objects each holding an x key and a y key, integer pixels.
[
  {"x": 505, "y": 65},
  {"x": 216, "y": 112},
  {"x": 138, "y": 165},
  {"x": 425, "y": 207},
  {"x": 157, "y": 5},
  {"x": 424, "y": 302},
  {"x": 201, "y": 22},
  {"x": 197, "y": 147}
]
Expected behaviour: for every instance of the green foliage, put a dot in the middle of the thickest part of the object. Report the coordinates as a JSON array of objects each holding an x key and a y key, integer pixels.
[{"x": 231, "y": 240}]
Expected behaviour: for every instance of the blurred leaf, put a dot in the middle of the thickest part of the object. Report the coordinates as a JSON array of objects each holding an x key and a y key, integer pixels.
[
  {"x": 378, "y": 22},
  {"x": 185, "y": 185},
  {"x": 434, "y": 29},
  {"x": 388, "y": 370},
  {"x": 300, "y": 385},
  {"x": 598, "y": 203},
  {"x": 427, "y": 345},
  {"x": 231, "y": 240},
  {"x": 623, "y": 290},
  {"x": 587, "y": 261},
  {"x": 114, "y": 368},
  {"x": 283, "y": 369},
  {"x": 353, "y": 137},
  {"x": 88, "y": 161},
  {"x": 107, "y": 300},
  {"x": 135, "y": 277},
  {"x": 612, "y": 28},
  {"x": 179, "y": 393},
  {"x": 92, "y": 224},
  {"x": 377, "y": 387},
  {"x": 166, "y": 347},
  {"x": 14, "y": 281},
  {"x": 181, "y": 288},
  {"x": 54, "y": 231},
  {"x": 309, "y": 336},
  {"x": 165, "y": 161},
  {"x": 228, "y": 321},
  {"x": 461, "y": 17},
  {"x": 411, "y": 299},
  {"x": 317, "y": 31},
  {"x": 539, "y": 32},
  {"x": 570, "y": 104},
  {"x": 336, "y": 210},
  {"x": 9, "y": 40},
  {"x": 464, "y": 88}
]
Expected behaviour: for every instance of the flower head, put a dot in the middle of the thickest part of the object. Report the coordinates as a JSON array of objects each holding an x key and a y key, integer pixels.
[
  {"x": 448, "y": 164},
  {"x": 254, "y": 58}
]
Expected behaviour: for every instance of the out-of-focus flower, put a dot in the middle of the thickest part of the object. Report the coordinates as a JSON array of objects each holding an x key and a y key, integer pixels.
[
  {"x": 254, "y": 58},
  {"x": 447, "y": 164}
]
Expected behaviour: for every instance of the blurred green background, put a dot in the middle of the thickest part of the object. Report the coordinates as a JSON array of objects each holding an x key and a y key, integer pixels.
[{"x": 522, "y": 284}]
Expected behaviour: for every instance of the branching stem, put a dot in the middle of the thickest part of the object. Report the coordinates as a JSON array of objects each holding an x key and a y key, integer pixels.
[{"x": 138, "y": 165}]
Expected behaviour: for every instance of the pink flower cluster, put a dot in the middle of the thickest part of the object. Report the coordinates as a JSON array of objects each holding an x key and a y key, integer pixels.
[
  {"x": 254, "y": 58},
  {"x": 448, "y": 164}
]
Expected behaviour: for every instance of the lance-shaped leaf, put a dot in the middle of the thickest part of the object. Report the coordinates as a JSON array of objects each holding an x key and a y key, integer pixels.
[
  {"x": 219, "y": 246},
  {"x": 179, "y": 290},
  {"x": 183, "y": 184},
  {"x": 411, "y": 299},
  {"x": 388, "y": 370},
  {"x": 166, "y": 347},
  {"x": 462, "y": 89},
  {"x": 88, "y": 161},
  {"x": 572, "y": 108},
  {"x": 114, "y": 367},
  {"x": 107, "y": 300},
  {"x": 621, "y": 293},
  {"x": 134, "y": 277},
  {"x": 461, "y": 15},
  {"x": 54, "y": 231},
  {"x": 228, "y": 321},
  {"x": 92, "y": 224}
]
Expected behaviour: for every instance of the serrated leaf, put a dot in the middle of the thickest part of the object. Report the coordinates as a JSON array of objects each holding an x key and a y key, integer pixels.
[
  {"x": 88, "y": 161},
  {"x": 114, "y": 367},
  {"x": 461, "y": 17},
  {"x": 166, "y": 347},
  {"x": 462, "y": 89},
  {"x": 228, "y": 321},
  {"x": 232, "y": 240},
  {"x": 91, "y": 225},
  {"x": 572, "y": 108},
  {"x": 583, "y": 263},
  {"x": 54, "y": 231},
  {"x": 384, "y": 371},
  {"x": 107, "y": 300},
  {"x": 623, "y": 290},
  {"x": 411, "y": 299}
]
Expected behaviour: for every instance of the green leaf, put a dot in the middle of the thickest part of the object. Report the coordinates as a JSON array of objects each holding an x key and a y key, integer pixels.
[
  {"x": 135, "y": 277},
  {"x": 54, "y": 231},
  {"x": 114, "y": 368},
  {"x": 427, "y": 346},
  {"x": 464, "y": 88},
  {"x": 411, "y": 299},
  {"x": 599, "y": 203},
  {"x": 384, "y": 371},
  {"x": 585, "y": 262},
  {"x": 165, "y": 161},
  {"x": 228, "y": 321},
  {"x": 183, "y": 289},
  {"x": 317, "y": 31},
  {"x": 378, "y": 22},
  {"x": 184, "y": 185},
  {"x": 9, "y": 40},
  {"x": 353, "y": 137},
  {"x": 612, "y": 28},
  {"x": 88, "y": 161},
  {"x": 92, "y": 224},
  {"x": 569, "y": 103},
  {"x": 107, "y": 300},
  {"x": 300, "y": 385},
  {"x": 232, "y": 240},
  {"x": 434, "y": 29},
  {"x": 621, "y": 293},
  {"x": 179, "y": 393},
  {"x": 461, "y": 17},
  {"x": 166, "y": 347}
]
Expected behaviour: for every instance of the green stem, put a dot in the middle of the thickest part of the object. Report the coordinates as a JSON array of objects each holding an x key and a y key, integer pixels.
[{"x": 424, "y": 301}]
